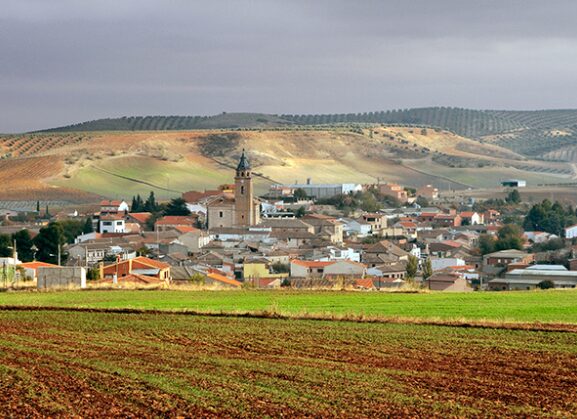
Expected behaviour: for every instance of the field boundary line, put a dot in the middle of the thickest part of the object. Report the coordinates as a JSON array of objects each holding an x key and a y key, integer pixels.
[{"x": 352, "y": 318}]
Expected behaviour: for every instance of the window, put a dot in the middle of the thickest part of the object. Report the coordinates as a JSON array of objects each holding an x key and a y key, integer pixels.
[
  {"x": 221, "y": 214},
  {"x": 242, "y": 190}
]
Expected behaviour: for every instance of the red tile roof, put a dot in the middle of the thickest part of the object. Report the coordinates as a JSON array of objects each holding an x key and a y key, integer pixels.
[
  {"x": 176, "y": 220},
  {"x": 221, "y": 278},
  {"x": 311, "y": 263},
  {"x": 108, "y": 203},
  {"x": 141, "y": 217},
  {"x": 185, "y": 229},
  {"x": 36, "y": 265}
]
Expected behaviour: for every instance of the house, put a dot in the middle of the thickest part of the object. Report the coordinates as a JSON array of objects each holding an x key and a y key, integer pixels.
[
  {"x": 471, "y": 218},
  {"x": 308, "y": 268},
  {"x": 438, "y": 264},
  {"x": 532, "y": 276},
  {"x": 393, "y": 271},
  {"x": 139, "y": 218},
  {"x": 316, "y": 191},
  {"x": 491, "y": 216},
  {"x": 377, "y": 222},
  {"x": 447, "y": 220},
  {"x": 112, "y": 223},
  {"x": 345, "y": 268},
  {"x": 89, "y": 253},
  {"x": 172, "y": 222},
  {"x": 218, "y": 279},
  {"x": 194, "y": 240},
  {"x": 140, "y": 265},
  {"x": 447, "y": 281},
  {"x": 31, "y": 268},
  {"x": 428, "y": 192},
  {"x": 325, "y": 226},
  {"x": 113, "y": 207},
  {"x": 286, "y": 225},
  {"x": 383, "y": 252},
  {"x": 357, "y": 227},
  {"x": 394, "y": 190},
  {"x": 260, "y": 268},
  {"x": 503, "y": 258},
  {"x": 409, "y": 228},
  {"x": 571, "y": 232}
]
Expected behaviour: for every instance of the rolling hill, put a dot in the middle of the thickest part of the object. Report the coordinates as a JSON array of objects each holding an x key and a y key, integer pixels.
[
  {"x": 539, "y": 134},
  {"x": 82, "y": 166}
]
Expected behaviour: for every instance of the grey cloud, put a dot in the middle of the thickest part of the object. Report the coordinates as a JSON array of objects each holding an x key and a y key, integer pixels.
[{"x": 66, "y": 61}]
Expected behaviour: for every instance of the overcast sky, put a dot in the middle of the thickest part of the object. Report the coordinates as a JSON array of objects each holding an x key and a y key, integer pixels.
[{"x": 67, "y": 61}]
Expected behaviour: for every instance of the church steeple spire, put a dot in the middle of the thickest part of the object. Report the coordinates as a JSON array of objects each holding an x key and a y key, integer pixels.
[{"x": 243, "y": 164}]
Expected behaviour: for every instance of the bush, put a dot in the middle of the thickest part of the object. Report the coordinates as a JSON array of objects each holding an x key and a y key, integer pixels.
[{"x": 546, "y": 284}]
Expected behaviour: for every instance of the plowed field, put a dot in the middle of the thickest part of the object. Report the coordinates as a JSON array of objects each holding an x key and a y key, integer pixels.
[{"x": 135, "y": 365}]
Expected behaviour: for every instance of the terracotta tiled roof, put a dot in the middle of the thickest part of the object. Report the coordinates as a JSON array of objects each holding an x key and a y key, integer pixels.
[
  {"x": 141, "y": 217},
  {"x": 36, "y": 265},
  {"x": 108, "y": 203},
  {"x": 221, "y": 278},
  {"x": 176, "y": 220},
  {"x": 185, "y": 229}
]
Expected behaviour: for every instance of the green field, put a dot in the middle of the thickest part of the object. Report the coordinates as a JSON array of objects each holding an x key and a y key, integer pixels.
[
  {"x": 117, "y": 178},
  {"x": 169, "y": 365},
  {"x": 554, "y": 306}
]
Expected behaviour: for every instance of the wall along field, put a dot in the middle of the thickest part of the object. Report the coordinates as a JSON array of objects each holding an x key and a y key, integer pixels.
[{"x": 105, "y": 364}]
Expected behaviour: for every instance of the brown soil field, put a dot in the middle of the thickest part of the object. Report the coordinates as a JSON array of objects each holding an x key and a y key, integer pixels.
[{"x": 142, "y": 365}]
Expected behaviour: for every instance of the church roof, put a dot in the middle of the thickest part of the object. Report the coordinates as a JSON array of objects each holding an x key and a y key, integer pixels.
[{"x": 243, "y": 164}]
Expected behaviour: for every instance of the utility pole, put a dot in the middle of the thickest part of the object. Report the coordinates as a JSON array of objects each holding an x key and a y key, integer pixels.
[{"x": 59, "y": 254}]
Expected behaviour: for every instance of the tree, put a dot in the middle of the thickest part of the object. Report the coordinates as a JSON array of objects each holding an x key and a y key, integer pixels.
[
  {"x": 299, "y": 194},
  {"x": 422, "y": 201},
  {"x": 88, "y": 227},
  {"x": 47, "y": 214},
  {"x": 510, "y": 236},
  {"x": 427, "y": 269},
  {"x": 486, "y": 244},
  {"x": 5, "y": 246},
  {"x": 72, "y": 229},
  {"x": 412, "y": 266},
  {"x": 150, "y": 205},
  {"x": 137, "y": 204},
  {"x": 177, "y": 206},
  {"x": 546, "y": 284},
  {"x": 513, "y": 197},
  {"x": 48, "y": 241},
  {"x": 38, "y": 207},
  {"x": 23, "y": 245},
  {"x": 300, "y": 212}
]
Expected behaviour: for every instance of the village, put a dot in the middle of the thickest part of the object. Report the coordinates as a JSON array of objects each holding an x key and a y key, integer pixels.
[{"x": 316, "y": 236}]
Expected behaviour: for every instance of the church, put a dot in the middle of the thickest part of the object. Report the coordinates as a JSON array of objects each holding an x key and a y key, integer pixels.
[{"x": 239, "y": 209}]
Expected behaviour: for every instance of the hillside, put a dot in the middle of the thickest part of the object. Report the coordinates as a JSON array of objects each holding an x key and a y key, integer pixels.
[
  {"x": 83, "y": 166},
  {"x": 539, "y": 134}
]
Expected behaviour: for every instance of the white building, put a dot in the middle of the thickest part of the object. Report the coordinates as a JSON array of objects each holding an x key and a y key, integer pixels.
[
  {"x": 112, "y": 224},
  {"x": 441, "y": 263},
  {"x": 317, "y": 190},
  {"x": 571, "y": 232}
]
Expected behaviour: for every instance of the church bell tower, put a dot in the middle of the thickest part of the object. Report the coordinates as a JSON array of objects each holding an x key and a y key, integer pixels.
[{"x": 243, "y": 203}]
